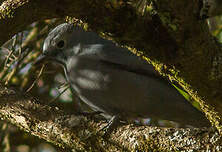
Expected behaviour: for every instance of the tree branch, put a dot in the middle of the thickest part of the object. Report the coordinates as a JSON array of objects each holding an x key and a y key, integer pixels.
[{"x": 81, "y": 133}]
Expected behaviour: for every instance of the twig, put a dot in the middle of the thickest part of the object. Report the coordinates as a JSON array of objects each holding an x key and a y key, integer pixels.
[
  {"x": 36, "y": 80},
  {"x": 64, "y": 85}
]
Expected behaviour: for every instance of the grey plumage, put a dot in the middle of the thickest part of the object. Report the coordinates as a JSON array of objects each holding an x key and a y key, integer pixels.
[{"x": 113, "y": 80}]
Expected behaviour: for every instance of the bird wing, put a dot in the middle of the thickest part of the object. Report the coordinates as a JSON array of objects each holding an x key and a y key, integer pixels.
[
  {"x": 108, "y": 52},
  {"x": 105, "y": 50},
  {"x": 119, "y": 57}
]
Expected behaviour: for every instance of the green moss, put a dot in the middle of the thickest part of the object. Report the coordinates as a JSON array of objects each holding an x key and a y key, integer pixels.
[
  {"x": 6, "y": 13},
  {"x": 168, "y": 21}
]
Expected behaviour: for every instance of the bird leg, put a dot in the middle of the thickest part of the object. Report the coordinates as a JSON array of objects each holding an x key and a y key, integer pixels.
[{"x": 113, "y": 123}]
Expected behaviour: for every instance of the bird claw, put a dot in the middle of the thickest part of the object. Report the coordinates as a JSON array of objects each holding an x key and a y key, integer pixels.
[
  {"x": 107, "y": 129},
  {"x": 113, "y": 123}
]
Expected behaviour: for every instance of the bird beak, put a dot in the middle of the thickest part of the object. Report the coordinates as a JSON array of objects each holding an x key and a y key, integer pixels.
[{"x": 40, "y": 60}]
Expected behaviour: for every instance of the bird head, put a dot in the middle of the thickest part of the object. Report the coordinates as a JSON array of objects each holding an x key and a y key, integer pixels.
[{"x": 60, "y": 44}]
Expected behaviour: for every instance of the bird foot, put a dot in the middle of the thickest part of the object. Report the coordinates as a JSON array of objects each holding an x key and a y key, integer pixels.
[{"x": 113, "y": 123}]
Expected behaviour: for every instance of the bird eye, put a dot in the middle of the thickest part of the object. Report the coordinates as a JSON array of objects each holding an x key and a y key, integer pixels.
[{"x": 61, "y": 44}]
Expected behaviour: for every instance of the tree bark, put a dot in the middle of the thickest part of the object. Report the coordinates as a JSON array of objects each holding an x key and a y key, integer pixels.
[
  {"x": 76, "y": 132},
  {"x": 169, "y": 34}
]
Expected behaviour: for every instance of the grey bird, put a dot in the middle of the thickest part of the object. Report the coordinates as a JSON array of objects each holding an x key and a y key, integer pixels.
[{"x": 114, "y": 81}]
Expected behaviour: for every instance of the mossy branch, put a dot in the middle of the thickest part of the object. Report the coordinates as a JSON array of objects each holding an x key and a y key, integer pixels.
[{"x": 75, "y": 132}]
